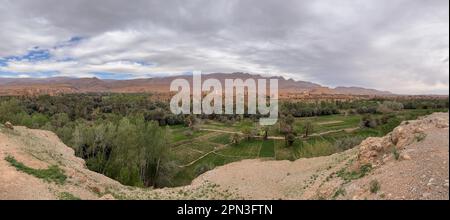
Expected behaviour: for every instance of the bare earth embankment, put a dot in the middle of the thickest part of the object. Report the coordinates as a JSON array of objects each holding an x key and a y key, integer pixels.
[{"x": 409, "y": 163}]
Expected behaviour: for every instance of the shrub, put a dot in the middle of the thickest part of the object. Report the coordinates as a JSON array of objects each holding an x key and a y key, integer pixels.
[
  {"x": 395, "y": 153},
  {"x": 367, "y": 121},
  {"x": 353, "y": 175},
  {"x": 290, "y": 138},
  {"x": 347, "y": 142},
  {"x": 366, "y": 110},
  {"x": 339, "y": 192},
  {"x": 38, "y": 120},
  {"x": 374, "y": 186},
  {"x": 393, "y": 105},
  {"x": 420, "y": 137},
  {"x": 389, "y": 106},
  {"x": 386, "y": 118},
  {"x": 247, "y": 132},
  {"x": 67, "y": 196},
  {"x": 203, "y": 168},
  {"x": 308, "y": 128}
]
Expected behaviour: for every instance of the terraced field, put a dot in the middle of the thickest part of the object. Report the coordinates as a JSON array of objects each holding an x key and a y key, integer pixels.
[{"x": 330, "y": 122}]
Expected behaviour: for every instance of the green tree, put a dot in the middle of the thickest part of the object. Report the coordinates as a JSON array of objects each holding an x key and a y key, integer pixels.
[
  {"x": 308, "y": 128},
  {"x": 11, "y": 110},
  {"x": 287, "y": 129},
  {"x": 59, "y": 120},
  {"x": 38, "y": 120},
  {"x": 367, "y": 121},
  {"x": 290, "y": 138}
]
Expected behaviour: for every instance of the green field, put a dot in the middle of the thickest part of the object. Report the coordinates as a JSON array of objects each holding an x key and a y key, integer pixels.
[
  {"x": 267, "y": 149},
  {"x": 221, "y": 139},
  {"x": 180, "y": 133}
]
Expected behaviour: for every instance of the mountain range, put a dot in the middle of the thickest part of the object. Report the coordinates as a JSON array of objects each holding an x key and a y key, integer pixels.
[{"x": 58, "y": 85}]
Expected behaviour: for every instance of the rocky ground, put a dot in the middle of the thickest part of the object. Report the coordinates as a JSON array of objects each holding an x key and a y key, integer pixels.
[{"x": 409, "y": 163}]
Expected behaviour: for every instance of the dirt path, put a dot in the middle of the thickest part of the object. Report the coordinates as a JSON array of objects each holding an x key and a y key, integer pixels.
[
  {"x": 195, "y": 161},
  {"x": 221, "y": 131},
  {"x": 329, "y": 122},
  {"x": 348, "y": 130},
  {"x": 220, "y": 147}
]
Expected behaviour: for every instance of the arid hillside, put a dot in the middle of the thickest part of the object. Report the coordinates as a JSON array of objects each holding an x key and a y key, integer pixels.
[{"x": 409, "y": 163}]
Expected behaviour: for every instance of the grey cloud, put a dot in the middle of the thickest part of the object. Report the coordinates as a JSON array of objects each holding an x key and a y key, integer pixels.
[{"x": 395, "y": 45}]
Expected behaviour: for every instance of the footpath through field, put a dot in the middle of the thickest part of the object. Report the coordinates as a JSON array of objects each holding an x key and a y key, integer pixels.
[{"x": 280, "y": 137}]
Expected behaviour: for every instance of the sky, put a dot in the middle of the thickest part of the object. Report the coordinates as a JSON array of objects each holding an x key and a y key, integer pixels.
[{"x": 397, "y": 45}]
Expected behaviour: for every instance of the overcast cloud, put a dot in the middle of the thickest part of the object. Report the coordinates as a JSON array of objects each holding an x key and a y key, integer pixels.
[{"x": 396, "y": 45}]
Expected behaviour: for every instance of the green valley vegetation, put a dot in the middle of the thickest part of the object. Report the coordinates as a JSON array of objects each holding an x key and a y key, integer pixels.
[
  {"x": 136, "y": 140},
  {"x": 132, "y": 150}
]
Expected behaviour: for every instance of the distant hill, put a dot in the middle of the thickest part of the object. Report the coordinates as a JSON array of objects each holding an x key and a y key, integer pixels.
[
  {"x": 57, "y": 85},
  {"x": 359, "y": 91}
]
